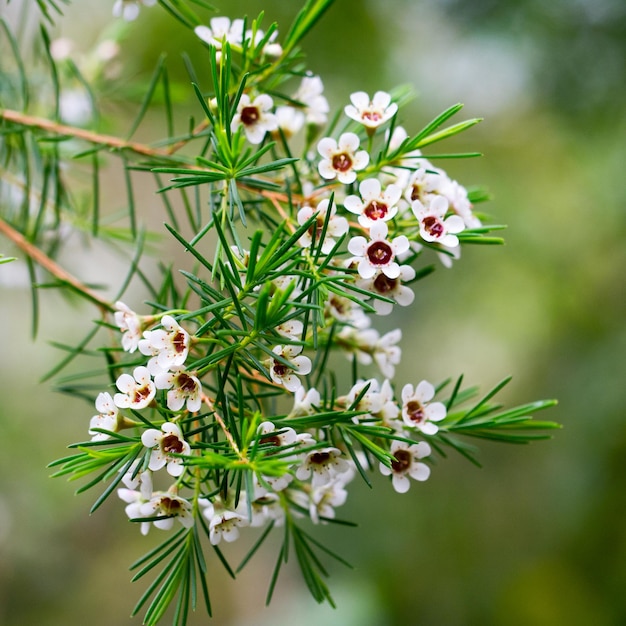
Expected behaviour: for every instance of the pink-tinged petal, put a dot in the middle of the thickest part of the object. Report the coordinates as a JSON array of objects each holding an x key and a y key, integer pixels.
[
  {"x": 424, "y": 392},
  {"x": 124, "y": 383},
  {"x": 151, "y": 438},
  {"x": 419, "y": 471},
  {"x": 400, "y": 483},
  {"x": 327, "y": 147},
  {"x": 370, "y": 189},
  {"x": 400, "y": 244},
  {"x": 348, "y": 142},
  {"x": 360, "y": 99},
  {"x": 381, "y": 100},
  {"x": 347, "y": 178},
  {"x": 326, "y": 170},
  {"x": 435, "y": 411},
  {"x": 392, "y": 270},
  {"x": 360, "y": 160},
  {"x": 353, "y": 204},
  {"x": 357, "y": 246}
]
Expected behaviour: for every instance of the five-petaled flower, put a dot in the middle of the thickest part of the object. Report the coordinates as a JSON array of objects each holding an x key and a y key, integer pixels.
[
  {"x": 169, "y": 345},
  {"x": 378, "y": 253},
  {"x": 374, "y": 203},
  {"x": 285, "y": 374},
  {"x": 434, "y": 226},
  {"x": 183, "y": 388},
  {"x": 342, "y": 159},
  {"x": 130, "y": 324},
  {"x": 391, "y": 288},
  {"x": 164, "y": 443},
  {"x": 371, "y": 113},
  {"x": 418, "y": 411},
  {"x": 255, "y": 117},
  {"x": 170, "y": 507},
  {"x": 406, "y": 462},
  {"x": 137, "y": 391},
  {"x": 324, "y": 463},
  {"x": 223, "y": 522},
  {"x": 107, "y": 418},
  {"x": 221, "y": 29},
  {"x": 335, "y": 225}
]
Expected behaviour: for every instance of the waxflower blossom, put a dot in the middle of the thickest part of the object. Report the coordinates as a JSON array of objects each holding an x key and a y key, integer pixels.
[
  {"x": 406, "y": 462},
  {"x": 170, "y": 507},
  {"x": 289, "y": 120},
  {"x": 422, "y": 184},
  {"x": 304, "y": 402},
  {"x": 391, "y": 288},
  {"x": 130, "y": 325},
  {"x": 324, "y": 463},
  {"x": 378, "y": 254},
  {"x": 223, "y": 523},
  {"x": 342, "y": 159},
  {"x": 434, "y": 226},
  {"x": 374, "y": 203},
  {"x": 371, "y": 113},
  {"x": 418, "y": 411},
  {"x": 309, "y": 93},
  {"x": 285, "y": 375},
  {"x": 336, "y": 226},
  {"x": 165, "y": 442},
  {"x": 221, "y": 29},
  {"x": 324, "y": 499},
  {"x": 255, "y": 117},
  {"x": 137, "y": 391},
  {"x": 171, "y": 343},
  {"x": 107, "y": 418},
  {"x": 184, "y": 388},
  {"x": 129, "y": 9},
  {"x": 387, "y": 354}
]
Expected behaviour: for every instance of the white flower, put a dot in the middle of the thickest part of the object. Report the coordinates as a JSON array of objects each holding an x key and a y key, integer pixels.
[
  {"x": 171, "y": 343},
  {"x": 264, "y": 508},
  {"x": 378, "y": 253},
  {"x": 138, "y": 390},
  {"x": 130, "y": 324},
  {"x": 370, "y": 403},
  {"x": 221, "y": 29},
  {"x": 406, "y": 462},
  {"x": 374, "y": 204},
  {"x": 422, "y": 184},
  {"x": 289, "y": 120},
  {"x": 129, "y": 9},
  {"x": 136, "y": 498},
  {"x": 304, "y": 402},
  {"x": 433, "y": 226},
  {"x": 169, "y": 507},
  {"x": 346, "y": 310},
  {"x": 186, "y": 389},
  {"x": 417, "y": 410},
  {"x": 284, "y": 374},
  {"x": 107, "y": 418},
  {"x": 371, "y": 113},
  {"x": 255, "y": 117},
  {"x": 456, "y": 195},
  {"x": 223, "y": 523},
  {"x": 325, "y": 498},
  {"x": 389, "y": 412},
  {"x": 315, "y": 104},
  {"x": 360, "y": 342},
  {"x": 336, "y": 226},
  {"x": 387, "y": 354},
  {"x": 391, "y": 288},
  {"x": 165, "y": 442},
  {"x": 342, "y": 159},
  {"x": 324, "y": 463},
  {"x": 291, "y": 328}
]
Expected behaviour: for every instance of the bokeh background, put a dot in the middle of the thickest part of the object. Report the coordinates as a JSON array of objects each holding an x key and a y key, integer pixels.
[{"x": 536, "y": 537}]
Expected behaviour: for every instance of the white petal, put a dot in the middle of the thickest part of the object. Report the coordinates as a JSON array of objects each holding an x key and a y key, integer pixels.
[
  {"x": 346, "y": 177},
  {"x": 400, "y": 483},
  {"x": 151, "y": 438},
  {"x": 204, "y": 33},
  {"x": 419, "y": 471},
  {"x": 357, "y": 246},
  {"x": 360, "y": 99},
  {"x": 326, "y": 170},
  {"x": 353, "y": 204},
  {"x": 424, "y": 391},
  {"x": 381, "y": 100},
  {"x": 400, "y": 244},
  {"x": 124, "y": 383},
  {"x": 327, "y": 147},
  {"x": 361, "y": 159},
  {"x": 370, "y": 189},
  {"x": 348, "y": 142},
  {"x": 435, "y": 411}
]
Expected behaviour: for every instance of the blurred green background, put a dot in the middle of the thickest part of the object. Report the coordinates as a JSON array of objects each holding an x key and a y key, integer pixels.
[{"x": 537, "y": 537}]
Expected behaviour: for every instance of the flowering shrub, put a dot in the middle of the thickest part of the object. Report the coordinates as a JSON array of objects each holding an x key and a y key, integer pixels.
[{"x": 227, "y": 390}]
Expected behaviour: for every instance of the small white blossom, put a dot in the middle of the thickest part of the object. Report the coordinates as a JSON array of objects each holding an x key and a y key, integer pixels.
[
  {"x": 221, "y": 29},
  {"x": 129, "y": 9},
  {"x": 342, "y": 159},
  {"x": 422, "y": 184},
  {"x": 107, "y": 418},
  {"x": 184, "y": 388},
  {"x": 289, "y": 120},
  {"x": 359, "y": 342},
  {"x": 130, "y": 325},
  {"x": 370, "y": 403},
  {"x": 371, "y": 113},
  {"x": 137, "y": 391},
  {"x": 170, "y": 507},
  {"x": 387, "y": 354},
  {"x": 223, "y": 523},
  {"x": 406, "y": 462},
  {"x": 378, "y": 253},
  {"x": 374, "y": 203},
  {"x": 315, "y": 104},
  {"x": 325, "y": 498},
  {"x": 134, "y": 497},
  {"x": 165, "y": 442},
  {"x": 255, "y": 117},
  {"x": 336, "y": 227},
  {"x": 291, "y": 328},
  {"x": 391, "y": 288},
  {"x": 325, "y": 464},
  {"x": 285, "y": 375},
  {"x": 304, "y": 402},
  {"x": 418, "y": 411},
  {"x": 171, "y": 343},
  {"x": 434, "y": 226}
]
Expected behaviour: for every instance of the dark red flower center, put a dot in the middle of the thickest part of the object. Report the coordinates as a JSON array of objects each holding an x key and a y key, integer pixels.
[
  {"x": 403, "y": 461},
  {"x": 342, "y": 162},
  {"x": 281, "y": 370},
  {"x": 250, "y": 115},
  {"x": 376, "y": 210},
  {"x": 383, "y": 284},
  {"x": 319, "y": 458},
  {"x": 380, "y": 253},
  {"x": 141, "y": 393},
  {"x": 171, "y": 444},
  {"x": 415, "y": 411},
  {"x": 186, "y": 383},
  {"x": 179, "y": 342},
  {"x": 169, "y": 506},
  {"x": 372, "y": 116},
  {"x": 433, "y": 226}
]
